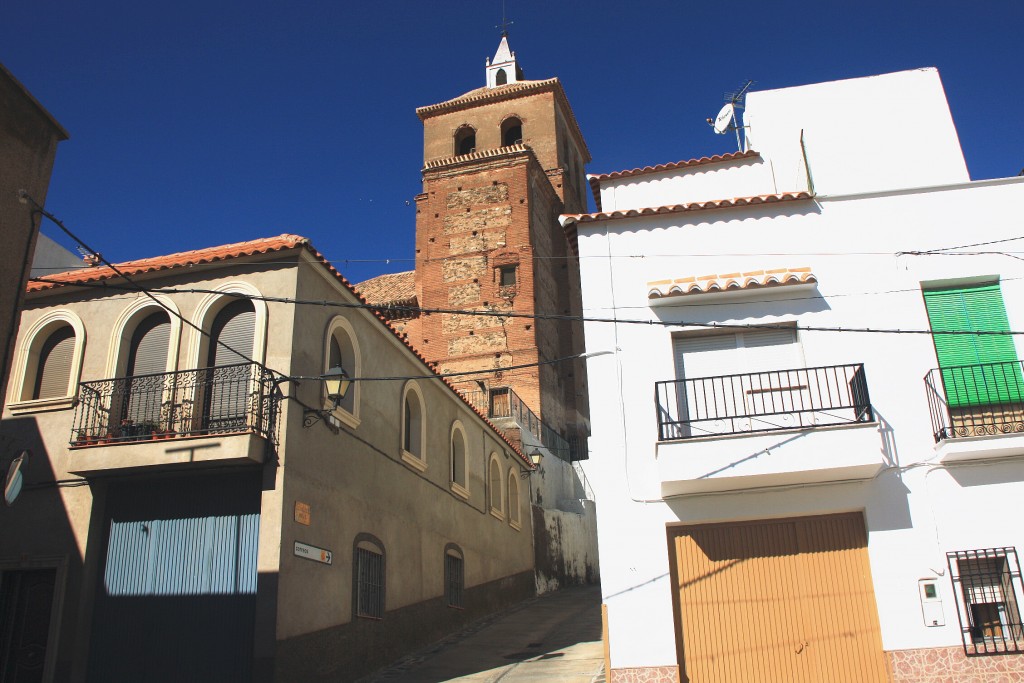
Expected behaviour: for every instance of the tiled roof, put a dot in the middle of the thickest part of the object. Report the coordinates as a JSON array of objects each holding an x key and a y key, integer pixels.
[
  {"x": 390, "y": 288},
  {"x": 182, "y": 259},
  {"x": 729, "y": 282},
  {"x": 240, "y": 249},
  {"x": 567, "y": 219},
  {"x": 483, "y": 95},
  {"x": 596, "y": 178}
]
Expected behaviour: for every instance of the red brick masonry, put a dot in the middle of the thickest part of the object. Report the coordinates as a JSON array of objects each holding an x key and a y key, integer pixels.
[{"x": 950, "y": 664}]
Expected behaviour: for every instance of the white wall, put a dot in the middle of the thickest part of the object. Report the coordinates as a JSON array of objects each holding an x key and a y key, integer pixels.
[{"x": 916, "y": 510}]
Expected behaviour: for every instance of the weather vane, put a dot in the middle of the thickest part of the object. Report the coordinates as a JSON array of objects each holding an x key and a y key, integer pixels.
[{"x": 505, "y": 23}]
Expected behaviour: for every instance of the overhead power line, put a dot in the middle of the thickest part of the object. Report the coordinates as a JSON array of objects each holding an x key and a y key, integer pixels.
[{"x": 493, "y": 313}]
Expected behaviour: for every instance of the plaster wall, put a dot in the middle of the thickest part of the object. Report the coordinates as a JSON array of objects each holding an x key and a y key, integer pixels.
[
  {"x": 861, "y": 134},
  {"x": 916, "y": 508}
]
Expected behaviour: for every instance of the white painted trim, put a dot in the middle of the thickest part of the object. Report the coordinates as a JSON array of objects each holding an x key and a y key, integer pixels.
[
  {"x": 418, "y": 461},
  {"x": 499, "y": 511},
  {"x": 461, "y": 489}
]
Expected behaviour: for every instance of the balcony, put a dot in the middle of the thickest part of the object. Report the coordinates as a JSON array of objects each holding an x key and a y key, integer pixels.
[
  {"x": 751, "y": 430},
  {"x": 222, "y": 414},
  {"x": 977, "y": 411},
  {"x": 504, "y": 404}
]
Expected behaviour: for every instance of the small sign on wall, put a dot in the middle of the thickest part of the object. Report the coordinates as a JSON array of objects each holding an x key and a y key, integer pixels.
[
  {"x": 302, "y": 513},
  {"x": 311, "y": 552}
]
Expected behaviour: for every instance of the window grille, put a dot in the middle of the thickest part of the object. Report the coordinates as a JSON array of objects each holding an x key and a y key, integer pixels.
[
  {"x": 987, "y": 584},
  {"x": 369, "y": 584},
  {"x": 454, "y": 580}
]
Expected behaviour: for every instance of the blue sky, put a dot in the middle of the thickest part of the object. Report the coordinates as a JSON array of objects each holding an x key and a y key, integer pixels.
[{"x": 200, "y": 123}]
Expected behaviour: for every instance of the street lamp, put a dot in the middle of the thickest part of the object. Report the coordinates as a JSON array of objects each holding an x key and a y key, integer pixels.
[
  {"x": 337, "y": 382},
  {"x": 536, "y": 455}
]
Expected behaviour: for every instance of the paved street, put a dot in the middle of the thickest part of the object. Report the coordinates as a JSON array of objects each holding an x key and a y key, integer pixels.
[{"x": 554, "y": 638}]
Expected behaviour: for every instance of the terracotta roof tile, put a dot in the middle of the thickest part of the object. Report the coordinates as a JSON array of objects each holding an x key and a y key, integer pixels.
[
  {"x": 390, "y": 288},
  {"x": 729, "y": 282},
  {"x": 596, "y": 178},
  {"x": 240, "y": 249},
  {"x": 567, "y": 219},
  {"x": 179, "y": 260}
]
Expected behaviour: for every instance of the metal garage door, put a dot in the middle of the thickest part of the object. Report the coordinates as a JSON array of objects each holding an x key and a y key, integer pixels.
[
  {"x": 176, "y": 598},
  {"x": 777, "y": 600}
]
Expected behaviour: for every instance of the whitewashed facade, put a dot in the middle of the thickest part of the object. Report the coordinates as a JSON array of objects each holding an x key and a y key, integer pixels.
[{"x": 847, "y": 203}]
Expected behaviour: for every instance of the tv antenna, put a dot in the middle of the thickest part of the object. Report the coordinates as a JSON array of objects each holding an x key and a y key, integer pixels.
[{"x": 726, "y": 119}]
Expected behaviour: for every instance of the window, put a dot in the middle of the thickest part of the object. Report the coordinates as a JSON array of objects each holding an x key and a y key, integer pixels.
[
  {"x": 986, "y": 584},
  {"x": 414, "y": 431},
  {"x": 53, "y": 373},
  {"x": 231, "y": 344},
  {"x": 976, "y": 369},
  {"x": 507, "y": 276},
  {"x": 454, "y": 576},
  {"x": 495, "y": 488},
  {"x": 459, "y": 483},
  {"x": 342, "y": 350},
  {"x": 500, "y": 78},
  {"x": 144, "y": 384},
  {"x": 465, "y": 140},
  {"x": 511, "y": 132},
  {"x": 368, "y": 577},
  {"x": 514, "y": 518},
  {"x": 45, "y": 371}
]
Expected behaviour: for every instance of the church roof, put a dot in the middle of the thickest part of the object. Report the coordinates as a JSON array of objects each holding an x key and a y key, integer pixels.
[
  {"x": 390, "y": 288},
  {"x": 486, "y": 95}
]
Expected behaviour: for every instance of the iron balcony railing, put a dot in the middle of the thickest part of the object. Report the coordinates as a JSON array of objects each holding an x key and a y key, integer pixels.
[
  {"x": 502, "y": 402},
  {"x": 976, "y": 400},
  {"x": 218, "y": 400},
  {"x": 799, "y": 398}
]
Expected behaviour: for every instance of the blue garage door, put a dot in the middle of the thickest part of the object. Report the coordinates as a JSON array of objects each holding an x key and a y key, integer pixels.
[{"x": 177, "y": 595}]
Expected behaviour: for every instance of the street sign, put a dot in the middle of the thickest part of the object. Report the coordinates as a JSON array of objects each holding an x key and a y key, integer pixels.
[{"x": 311, "y": 552}]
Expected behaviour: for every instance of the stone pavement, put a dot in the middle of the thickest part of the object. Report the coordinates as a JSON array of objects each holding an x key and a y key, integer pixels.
[{"x": 554, "y": 638}]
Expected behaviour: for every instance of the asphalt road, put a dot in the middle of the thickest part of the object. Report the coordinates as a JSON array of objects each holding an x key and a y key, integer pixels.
[{"x": 554, "y": 638}]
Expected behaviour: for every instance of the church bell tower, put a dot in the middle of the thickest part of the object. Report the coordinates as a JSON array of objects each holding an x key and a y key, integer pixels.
[{"x": 500, "y": 163}]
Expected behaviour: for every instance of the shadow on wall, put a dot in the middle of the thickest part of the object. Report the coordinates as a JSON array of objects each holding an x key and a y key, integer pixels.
[{"x": 41, "y": 569}]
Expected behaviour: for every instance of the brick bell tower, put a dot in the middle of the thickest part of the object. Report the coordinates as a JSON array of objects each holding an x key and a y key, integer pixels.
[{"x": 500, "y": 163}]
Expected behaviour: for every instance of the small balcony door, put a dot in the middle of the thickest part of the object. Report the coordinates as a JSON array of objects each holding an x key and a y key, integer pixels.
[
  {"x": 229, "y": 385},
  {"x": 145, "y": 382}
]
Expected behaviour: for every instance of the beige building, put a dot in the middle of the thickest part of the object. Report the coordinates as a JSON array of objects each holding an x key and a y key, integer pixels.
[
  {"x": 194, "y": 512},
  {"x": 28, "y": 145}
]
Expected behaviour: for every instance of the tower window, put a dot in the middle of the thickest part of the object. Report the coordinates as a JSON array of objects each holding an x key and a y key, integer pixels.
[
  {"x": 501, "y": 78},
  {"x": 465, "y": 140},
  {"x": 511, "y": 132},
  {"x": 507, "y": 276}
]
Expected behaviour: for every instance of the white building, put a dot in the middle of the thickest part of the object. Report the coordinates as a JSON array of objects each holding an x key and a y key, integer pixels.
[{"x": 790, "y": 490}]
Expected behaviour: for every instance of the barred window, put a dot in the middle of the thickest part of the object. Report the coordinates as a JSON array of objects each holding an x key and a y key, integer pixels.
[
  {"x": 454, "y": 576},
  {"x": 987, "y": 584},
  {"x": 369, "y": 580}
]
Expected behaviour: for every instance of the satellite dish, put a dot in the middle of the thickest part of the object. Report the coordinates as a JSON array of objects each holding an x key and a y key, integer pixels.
[
  {"x": 724, "y": 118},
  {"x": 15, "y": 479}
]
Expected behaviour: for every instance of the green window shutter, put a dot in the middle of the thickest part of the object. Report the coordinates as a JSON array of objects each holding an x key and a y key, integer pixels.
[{"x": 976, "y": 369}]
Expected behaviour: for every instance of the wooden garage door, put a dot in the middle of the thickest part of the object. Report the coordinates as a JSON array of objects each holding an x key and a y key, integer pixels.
[{"x": 777, "y": 600}]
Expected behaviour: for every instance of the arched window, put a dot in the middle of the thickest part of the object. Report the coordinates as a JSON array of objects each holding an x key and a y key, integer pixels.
[
  {"x": 465, "y": 140},
  {"x": 414, "y": 427},
  {"x": 511, "y": 132},
  {"x": 514, "y": 513},
  {"x": 459, "y": 452},
  {"x": 228, "y": 375},
  {"x": 48, "y": 362},
  {"x": 454, "y": 575},
  {"x": 53, "y": 370},
  {"x": 368, "y": 576},
  {"x": 144, "y": 384},
  {"x": 343, "y": 351},
  {"x": 500, "y": 77},
  {"x": 495, "y": 488}
]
